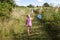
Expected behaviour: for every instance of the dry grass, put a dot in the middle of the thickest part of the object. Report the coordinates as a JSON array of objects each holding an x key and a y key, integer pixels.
[{"x": 15, "y": 28}]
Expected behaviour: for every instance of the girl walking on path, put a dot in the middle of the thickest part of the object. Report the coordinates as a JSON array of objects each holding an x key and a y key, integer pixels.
[{"x": 28, "y": 24}]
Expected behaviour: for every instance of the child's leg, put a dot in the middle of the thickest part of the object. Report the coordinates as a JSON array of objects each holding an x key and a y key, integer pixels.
[{"x": 28, "y": 31}]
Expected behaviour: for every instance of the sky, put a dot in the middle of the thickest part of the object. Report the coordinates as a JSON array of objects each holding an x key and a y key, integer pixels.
[{"x": 36, "y": 2}]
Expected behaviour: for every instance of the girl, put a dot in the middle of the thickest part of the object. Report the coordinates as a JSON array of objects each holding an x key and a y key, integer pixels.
[{"x": 29, "y": 24}]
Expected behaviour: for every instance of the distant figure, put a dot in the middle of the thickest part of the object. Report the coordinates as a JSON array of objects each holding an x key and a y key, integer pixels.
[
  {"x": 29, "y": 24},
  {"x": 31, "y": 12},
  {"x": 39, "y": 16}
]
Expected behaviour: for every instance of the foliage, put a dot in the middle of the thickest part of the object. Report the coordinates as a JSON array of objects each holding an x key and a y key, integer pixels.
[
  {"x": 48, "y": 28},
  {"x": 46, "y": 5},
  {"x": 30, "y": 6},
  {"x": 6, "y": 7},
  {"x": 51, "y": 22}
]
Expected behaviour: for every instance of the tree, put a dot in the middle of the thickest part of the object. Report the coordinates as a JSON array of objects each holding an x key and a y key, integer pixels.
[
  {"x": 37, "y": 6},
  {"x": 30, "y": 6},
  {"x": 6, "y": 8},
  {"x": 46, "y": 5}
]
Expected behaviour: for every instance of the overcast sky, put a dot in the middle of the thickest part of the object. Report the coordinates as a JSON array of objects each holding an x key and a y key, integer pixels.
[{"x": 36, "y": 2}]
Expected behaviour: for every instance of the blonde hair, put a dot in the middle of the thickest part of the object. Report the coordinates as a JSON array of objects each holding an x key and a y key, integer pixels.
[{"x": 28, "y": 15}]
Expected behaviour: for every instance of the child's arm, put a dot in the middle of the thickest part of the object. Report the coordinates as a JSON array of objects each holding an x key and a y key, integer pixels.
[{"x": 32, "y": 18}]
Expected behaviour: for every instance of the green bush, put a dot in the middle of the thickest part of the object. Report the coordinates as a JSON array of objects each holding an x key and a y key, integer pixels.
[{"x": 6, "y": 8}]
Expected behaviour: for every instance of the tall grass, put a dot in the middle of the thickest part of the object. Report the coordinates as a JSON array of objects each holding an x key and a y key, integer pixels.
[{"x": 46, "y": 29}]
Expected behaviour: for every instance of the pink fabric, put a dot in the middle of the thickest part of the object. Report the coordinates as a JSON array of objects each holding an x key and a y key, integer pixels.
[{"x": 28, "y": 22}]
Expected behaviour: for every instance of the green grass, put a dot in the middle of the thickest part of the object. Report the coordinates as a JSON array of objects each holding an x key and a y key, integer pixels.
[{"x": 15, "y": 28}]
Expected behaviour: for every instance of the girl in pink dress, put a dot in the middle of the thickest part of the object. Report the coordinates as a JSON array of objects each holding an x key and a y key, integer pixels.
[{"x": 29, "y": 23}]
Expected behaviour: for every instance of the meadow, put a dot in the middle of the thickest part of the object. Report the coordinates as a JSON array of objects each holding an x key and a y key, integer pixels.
[{"x": 48, "y": 28}]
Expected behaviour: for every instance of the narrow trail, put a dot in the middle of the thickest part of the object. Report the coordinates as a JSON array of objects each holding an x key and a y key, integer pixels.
[{"x": 37, "y": 29}]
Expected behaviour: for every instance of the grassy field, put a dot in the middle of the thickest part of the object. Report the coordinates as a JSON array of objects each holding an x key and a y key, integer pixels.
[{"x": 15, "y": 28}]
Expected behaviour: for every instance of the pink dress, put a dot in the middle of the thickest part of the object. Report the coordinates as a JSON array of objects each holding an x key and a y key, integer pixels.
[{"x": 28, "y": 22}]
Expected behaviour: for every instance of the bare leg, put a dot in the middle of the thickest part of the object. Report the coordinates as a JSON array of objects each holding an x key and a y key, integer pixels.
[{"x": 28, "y": 31}]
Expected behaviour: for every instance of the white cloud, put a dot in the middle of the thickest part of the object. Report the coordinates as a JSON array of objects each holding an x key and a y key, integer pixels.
[
  {"x": 17, "y": 1},
  {"x": 40, "y": 0}
]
